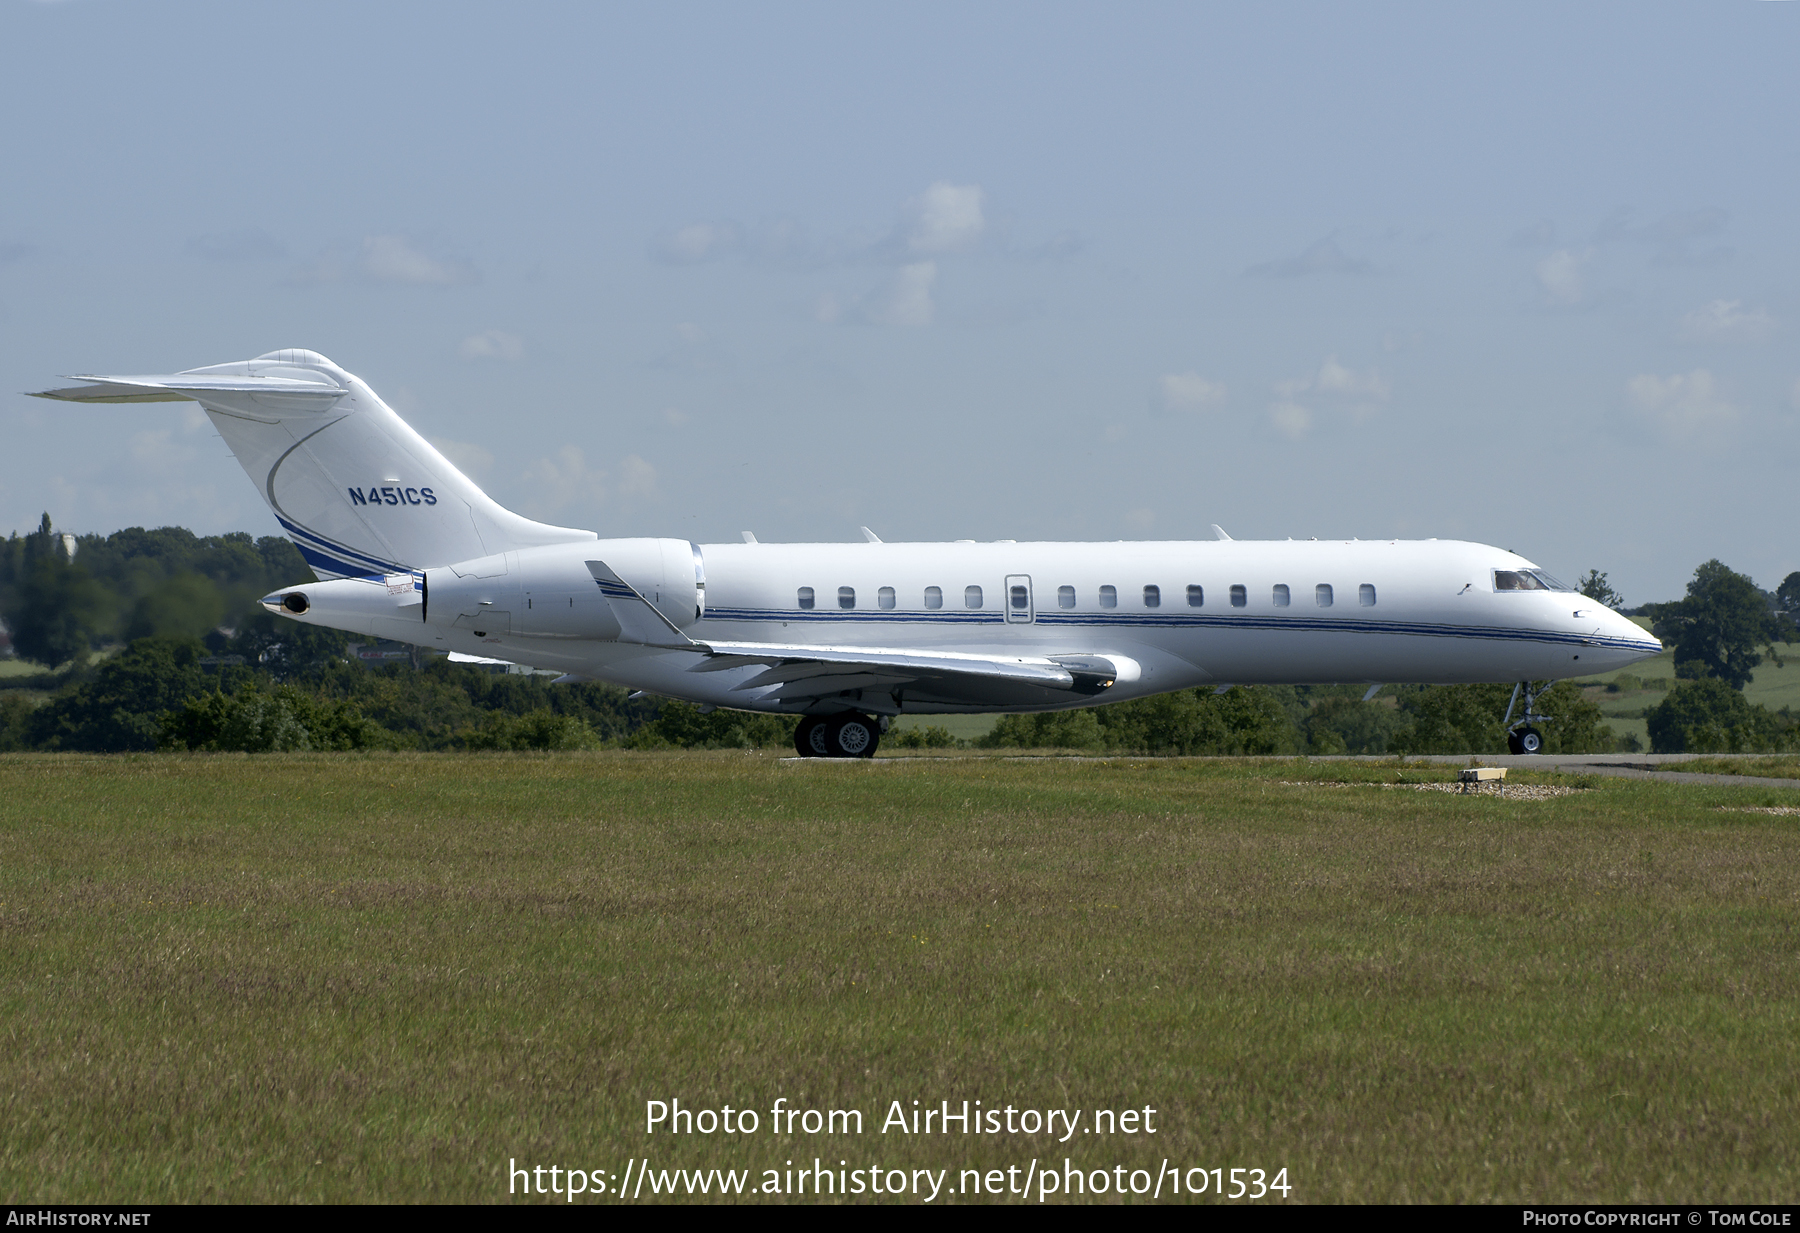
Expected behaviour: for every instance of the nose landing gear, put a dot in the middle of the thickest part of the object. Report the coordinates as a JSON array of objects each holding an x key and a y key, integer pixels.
[
  {"x": 1523, "y": 737},
  {"x": 845, "y": 735}
]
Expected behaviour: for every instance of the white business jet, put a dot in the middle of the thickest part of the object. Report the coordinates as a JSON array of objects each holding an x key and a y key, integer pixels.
[{"x": 850, "y": 635}]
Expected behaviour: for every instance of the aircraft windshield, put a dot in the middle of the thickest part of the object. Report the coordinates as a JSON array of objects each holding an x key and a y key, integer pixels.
[{"x": 1526, "y": 580}]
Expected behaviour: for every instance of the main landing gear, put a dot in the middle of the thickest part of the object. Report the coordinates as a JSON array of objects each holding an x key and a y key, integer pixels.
[
  {"x": 845, "y": 735},
  {"x": 1523, "y": 737}
]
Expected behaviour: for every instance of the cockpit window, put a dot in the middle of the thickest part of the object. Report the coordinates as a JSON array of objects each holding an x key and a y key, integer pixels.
[{"x": 1526, "y": 580}]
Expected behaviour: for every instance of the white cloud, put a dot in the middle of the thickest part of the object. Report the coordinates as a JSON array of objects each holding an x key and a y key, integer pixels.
[
  {"x": 473, "y": 461},
  {"x": 566, "y": 480},
  {"x": 1560, "y": 276},
  {"x": 1189, "y": 391},
  {"x": 385, "y": 259},
  {"x": 1727, "y": 320},
  {"x": 1291, "y": 420},
  {"x": 637, "y": 478},
  {"x": 1335, "y": 379},
  {"x": 1681, "y": 405},
  {"x": 698, "y": 242},
  {"x": 491, "y": 345},
  {"x": 1341, "y": 387},
  {"x": 945, "y": 218},
  {"x": 394, "y": 259},
  {"x": 907, "y": 300}
]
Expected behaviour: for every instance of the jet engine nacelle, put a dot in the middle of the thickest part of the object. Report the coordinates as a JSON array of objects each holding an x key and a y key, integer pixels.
[
  {"x": 549, "y": 592},
  {"x": 546, "y": 592}
]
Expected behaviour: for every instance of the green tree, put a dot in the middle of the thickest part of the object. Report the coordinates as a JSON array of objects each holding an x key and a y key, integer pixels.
[
  {"x": 1453, "y": 719},
  {"x": 121, "y": 707},
  {"x": 1344, "y": 723},
  {"x": 682, "y": 725},
  {"x": 1708, "y": 716},
  {"x": 1047, "y": 730},
  {"x": 1718, "y": 627},
  {"x": 53, "y": 607},
  {"x": 1456, "y": 719},
  {"x": 542, "y": 729},
  {"x": 1595, "y": 586},
  {"x": 1189, "y": 721},
  {"x": 257, "y": 721},
  {"x": 1787, "y": 606}
]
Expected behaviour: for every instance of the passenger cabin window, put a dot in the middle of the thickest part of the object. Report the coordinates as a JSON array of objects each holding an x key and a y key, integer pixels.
[
  {"x": 934, "y": 597},
  {"x": 1152, "y": 597},
  {"x": 1322, "y": 594},
  {"x": 806, "y": 597},
  {"x": 1365, "y": 594},
  {"x": 971, "y": 597},
  {"x": 1196, "y": 595},
  {"x": 1065, "y": 597},
  {"x": 1280, "y": 595},
  {"x": 1017, "y": 597},
  {"x": 1109, "y": 597},
  {"x": 885, "y": 597},
  {"x": 1239, "y": 596},
  {"x": 846, "y": 597}
]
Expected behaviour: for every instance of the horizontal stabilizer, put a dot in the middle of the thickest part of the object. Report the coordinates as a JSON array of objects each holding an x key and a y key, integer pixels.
[{"x": 181, "y": 387}]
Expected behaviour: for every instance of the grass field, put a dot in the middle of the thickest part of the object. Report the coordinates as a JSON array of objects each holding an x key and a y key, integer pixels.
[{"x": 344, "y": 978}]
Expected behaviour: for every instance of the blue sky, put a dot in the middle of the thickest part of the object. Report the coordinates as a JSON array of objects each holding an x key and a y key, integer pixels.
[{"x": 1523, "y": 274}]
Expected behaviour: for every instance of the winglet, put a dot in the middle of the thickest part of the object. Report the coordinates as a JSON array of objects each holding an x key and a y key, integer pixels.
[
  {"x": 1219, "y": 532},
  {"x": 639, "y": 620}
]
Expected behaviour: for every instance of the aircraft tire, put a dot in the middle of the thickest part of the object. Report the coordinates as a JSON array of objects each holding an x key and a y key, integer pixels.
[
  {"x": 851, "y": 736},
  {"x": 1531, "y": 741},
  {"x": 809, "y": 738}
]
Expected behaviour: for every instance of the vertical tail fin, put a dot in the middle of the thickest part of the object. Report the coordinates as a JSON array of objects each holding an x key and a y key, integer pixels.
[{"x": 357, "y": 490}]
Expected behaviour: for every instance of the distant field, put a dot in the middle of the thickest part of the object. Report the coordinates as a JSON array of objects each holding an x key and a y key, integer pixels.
[
  {"x": 342, "y": 978},
  {"x": 1771, "y": 686},
  {"x": 963, "y": 727}
]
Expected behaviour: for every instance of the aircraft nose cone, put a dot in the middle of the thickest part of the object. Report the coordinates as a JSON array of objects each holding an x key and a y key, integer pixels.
[{"x": 1628, "y": 633}]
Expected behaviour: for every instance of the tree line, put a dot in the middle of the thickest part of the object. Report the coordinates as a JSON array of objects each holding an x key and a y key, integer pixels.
[
  {"x": 1720, "y": 631},
  {"x": 197, "y": 665}
]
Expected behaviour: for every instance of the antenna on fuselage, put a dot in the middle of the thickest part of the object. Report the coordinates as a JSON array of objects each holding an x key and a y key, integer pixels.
[{"x": 1219, "y": 532}]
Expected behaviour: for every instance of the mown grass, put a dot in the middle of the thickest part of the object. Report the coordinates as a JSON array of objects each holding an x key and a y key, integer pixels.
[
  {"x": 343, "y": 978},
  {"x": 1774, "y": 766}
]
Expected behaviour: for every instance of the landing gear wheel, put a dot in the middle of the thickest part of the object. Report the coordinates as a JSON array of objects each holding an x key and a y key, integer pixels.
[
  {"x": 851, "y": 736},
  {"x": 1525, "y": 741},
  {"x": 809, "y": 738}
]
